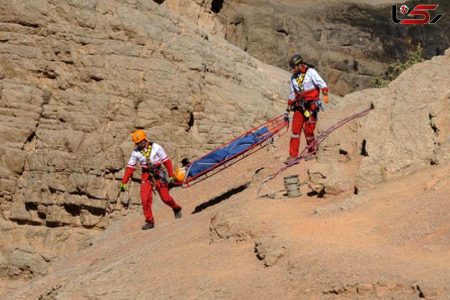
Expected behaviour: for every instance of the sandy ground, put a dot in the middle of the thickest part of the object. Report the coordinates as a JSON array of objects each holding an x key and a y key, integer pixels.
[{"x": 389, "y": 242}]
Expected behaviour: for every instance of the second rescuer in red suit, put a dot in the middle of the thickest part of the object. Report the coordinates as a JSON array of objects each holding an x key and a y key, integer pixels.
[{"x": 306, "y": 85}]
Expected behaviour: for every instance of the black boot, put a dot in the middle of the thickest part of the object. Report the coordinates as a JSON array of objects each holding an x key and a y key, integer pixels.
[
  {"x": 148, "y": 225},
  {"x": 177, "y": 213}
]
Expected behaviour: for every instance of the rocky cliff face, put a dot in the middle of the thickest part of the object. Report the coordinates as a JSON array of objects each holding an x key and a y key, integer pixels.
[
  {"x": 397, "y": 40},
  {"x": 350, "y": 42},
  {"x": 408, "y": 129},
  {"x": 77, "y": 77}
]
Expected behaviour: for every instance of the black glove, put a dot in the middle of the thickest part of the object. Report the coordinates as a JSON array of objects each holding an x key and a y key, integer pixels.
[{"x": 286, "y": 117}]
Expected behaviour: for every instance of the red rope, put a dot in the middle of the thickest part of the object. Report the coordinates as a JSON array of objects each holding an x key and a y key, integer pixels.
[{"x": 319, "y": 139}]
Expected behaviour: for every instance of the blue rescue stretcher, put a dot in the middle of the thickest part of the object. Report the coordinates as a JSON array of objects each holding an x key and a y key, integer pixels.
[{"x": 234, "y": 150}]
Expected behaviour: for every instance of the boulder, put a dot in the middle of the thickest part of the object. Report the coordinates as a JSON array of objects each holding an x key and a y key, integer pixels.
[{"x": 407, "y": 130}]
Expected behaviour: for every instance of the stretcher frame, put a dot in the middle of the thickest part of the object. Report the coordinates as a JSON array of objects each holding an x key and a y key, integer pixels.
[{"x": 276, "y": 128}]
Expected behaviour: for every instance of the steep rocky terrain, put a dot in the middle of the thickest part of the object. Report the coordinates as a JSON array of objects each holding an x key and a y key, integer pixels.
[
  {"x": 387, "y": 242},
  {"x": 351, "y": 42},
  {"x": 242, "y": 237},
  {"x": 78, "y": 76},
  {"x": 408, "y": 129}
]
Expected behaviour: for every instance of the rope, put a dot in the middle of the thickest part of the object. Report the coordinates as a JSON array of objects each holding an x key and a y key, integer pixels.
[
  {"x": 83, "y": 279},
  {"x": 145, "y": 247},
  {"x": 319, "y": 139}
]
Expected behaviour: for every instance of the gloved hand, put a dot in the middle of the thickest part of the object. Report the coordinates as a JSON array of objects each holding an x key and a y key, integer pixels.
[
  {"x": 122, "y": 187},
  {"x": 326, "y": 99},
  {"x": 286, "y": 117}
]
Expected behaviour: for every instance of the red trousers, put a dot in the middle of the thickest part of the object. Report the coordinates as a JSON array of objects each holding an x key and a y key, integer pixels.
[
  {"x": 147, "y": 196},
  {"x": 299, "y": 123}
]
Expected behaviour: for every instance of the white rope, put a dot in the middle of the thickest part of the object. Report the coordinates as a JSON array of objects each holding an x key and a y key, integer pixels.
[{"x": 144, "y": 248}]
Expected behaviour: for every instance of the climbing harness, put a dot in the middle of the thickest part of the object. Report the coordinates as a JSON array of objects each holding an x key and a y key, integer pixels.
[
  {"x": 156, "y": 171},
  {"x": 146, "y": 152},
  {"x": 299, "y": 80}
]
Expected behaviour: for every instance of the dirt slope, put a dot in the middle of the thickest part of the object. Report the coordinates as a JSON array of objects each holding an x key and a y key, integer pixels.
[{"x": 390, "y": 242}]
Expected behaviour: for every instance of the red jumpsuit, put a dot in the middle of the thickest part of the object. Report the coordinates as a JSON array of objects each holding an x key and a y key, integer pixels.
[
  {"x": 150, "y": 159},
  {"x": 299, "y": 123},
  {"x": 304, "y": 95}
]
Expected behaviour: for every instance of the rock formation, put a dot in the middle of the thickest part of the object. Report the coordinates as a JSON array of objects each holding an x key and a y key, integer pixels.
[
  {"x": 408, "y": 129},
  {"x": 78, "y": 77},
  {"x": 350, "y": 42}
]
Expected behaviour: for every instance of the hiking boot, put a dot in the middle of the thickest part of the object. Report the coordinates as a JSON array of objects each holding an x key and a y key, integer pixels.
[
  {"x": 177, "y": 213},
  {"x": 148, "y": 225}
]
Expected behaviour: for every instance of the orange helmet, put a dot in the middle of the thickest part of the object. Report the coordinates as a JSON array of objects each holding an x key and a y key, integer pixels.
[
  {"x": 138, "y": 136},
  {"x": 180, "y": 174}
]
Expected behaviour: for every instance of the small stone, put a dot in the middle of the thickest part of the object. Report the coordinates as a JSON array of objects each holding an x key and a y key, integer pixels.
[{"x": 364, "y": 289}]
